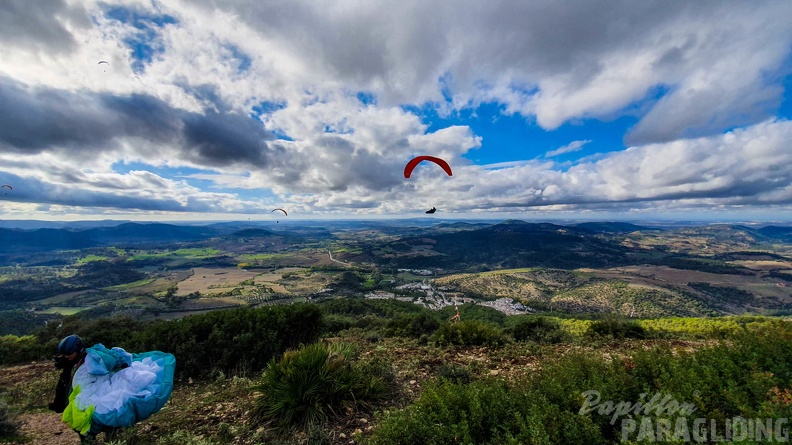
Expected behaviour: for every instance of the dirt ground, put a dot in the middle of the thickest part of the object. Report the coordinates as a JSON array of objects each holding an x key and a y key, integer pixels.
[
  {"x": 45, "y": 429},
  {"x": 37, "y": 425}
]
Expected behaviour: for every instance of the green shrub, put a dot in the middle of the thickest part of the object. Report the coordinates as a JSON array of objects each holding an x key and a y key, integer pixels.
[
  {"x": 539, "y": 330},
  {"x": 110, "y": 331},
  {"x": 482, "y": 412},
  {"x": 20, "y": 322},
  {"x": 412, "y": 326},
  {"x": 373, "y": 337},
  {"x": 616, "y": 328},
  {"x": 357, "y": 307},
  {"x": 749, "y": 376},
  {"x": 8, "y": 427},
  {"x": 337, "y": 323},
  {"x": 15, "y": 349},
  {"x": 231, "y": 341},
  {"x": 315, "y": 384},
  {"x": 454, "y": 373},
  {"x": 468, "y": 333}
]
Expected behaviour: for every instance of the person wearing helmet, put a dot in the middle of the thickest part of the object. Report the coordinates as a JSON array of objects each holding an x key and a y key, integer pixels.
[{"x": 70, "y": 355}]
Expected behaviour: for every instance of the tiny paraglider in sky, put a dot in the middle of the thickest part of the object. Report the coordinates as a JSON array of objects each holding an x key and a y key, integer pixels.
[
  {"x": 432, "y": 210},
  {"x": 6, "y": 185},
  {"x": 105, "y": 62}
]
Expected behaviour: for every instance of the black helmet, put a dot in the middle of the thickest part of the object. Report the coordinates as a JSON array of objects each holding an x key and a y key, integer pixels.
[{"x": 70, "y": 345}]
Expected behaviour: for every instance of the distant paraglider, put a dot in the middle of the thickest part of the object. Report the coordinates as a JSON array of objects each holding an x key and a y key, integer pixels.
[
  {"x": 284, "y": 212},
  {"x": 105, "y": 62},
  {"x": 432, "y": 210},
  {"x": 6, "y": 185},
  {"x": 408, "y": 169}
]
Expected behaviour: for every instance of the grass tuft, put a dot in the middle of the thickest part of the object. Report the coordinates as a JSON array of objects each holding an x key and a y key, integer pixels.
[{"x": 317, "y": 383}]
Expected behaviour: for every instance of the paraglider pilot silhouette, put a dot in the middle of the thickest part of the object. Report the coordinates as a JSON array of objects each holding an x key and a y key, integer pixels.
[
  {"x": 432, "y": 210},
  {"x": 103, "y": 390},
  {"x": 70, "y": 356}
]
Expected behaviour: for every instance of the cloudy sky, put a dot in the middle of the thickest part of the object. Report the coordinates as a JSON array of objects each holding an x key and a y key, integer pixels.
[{"x": 224, "y": 110}]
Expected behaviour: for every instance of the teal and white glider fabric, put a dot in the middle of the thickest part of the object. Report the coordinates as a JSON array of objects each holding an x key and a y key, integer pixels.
[{"x": 114, "y": 388}]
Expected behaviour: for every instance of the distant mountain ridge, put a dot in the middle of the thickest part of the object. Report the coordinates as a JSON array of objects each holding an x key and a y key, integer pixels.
[
  {"x": 32, "y": 224},
  {"x": 613, "y": 227},
  {"x": 514, "y": 244},
  {"x": 776, "y": 232},
  {"x": 520, "y": 235},
  {"x": 17, "y": 240}
]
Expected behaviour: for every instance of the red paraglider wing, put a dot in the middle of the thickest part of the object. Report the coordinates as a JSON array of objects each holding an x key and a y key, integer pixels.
[
  {"x": 284, "y": 211},
  {"x": 6, "y": 185},
  {"x": 415, "y": 161}
]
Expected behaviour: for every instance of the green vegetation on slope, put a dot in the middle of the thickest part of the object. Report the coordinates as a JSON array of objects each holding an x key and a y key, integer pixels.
[
  {"x": 445, "y": 373},
  {"x": 748, "y": 378}
]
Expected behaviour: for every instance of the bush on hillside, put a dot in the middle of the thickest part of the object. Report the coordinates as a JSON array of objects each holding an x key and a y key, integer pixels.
[
  {"x": 109, "y": 331},
  {"x": 468, "y": 333},
  {"x": 618, "y": 328},
  {"x": 539, "y": 330},
  {"x": 232, "y": 341},
  {"x": 454, "y": 373},
  {"x": 476, "y": 312},
  {"x": 482, "y": 412},
  {"x": 315, "y": 384},
  {"x": 333, "y": 324},
  {"x": 412, "y": 326},
  {"x": 748, "y": 377},
  {"x": 357, "y": 307},
  {"x": 8, "y": 427},
  {"x": 15, "y": 349}
]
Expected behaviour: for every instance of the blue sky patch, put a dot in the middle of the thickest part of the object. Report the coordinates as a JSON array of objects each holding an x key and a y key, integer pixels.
[
  {"x": 243, "y": 60},
  {"x": 146, "y": 42},
  {"x": 366, "y": 98},
  {"x": 267, "y": 107},
  {"x": 138, "y": 19},
  {"x": 512, "y": 137}
]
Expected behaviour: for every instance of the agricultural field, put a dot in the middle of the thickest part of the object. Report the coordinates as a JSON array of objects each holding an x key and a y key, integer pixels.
[
  {"x": 662, "y": 277},
  {"x": 209, "y": 281}
]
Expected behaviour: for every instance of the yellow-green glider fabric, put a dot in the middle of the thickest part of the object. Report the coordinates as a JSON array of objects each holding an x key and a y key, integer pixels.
[{"x": 79, "y": 420}]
